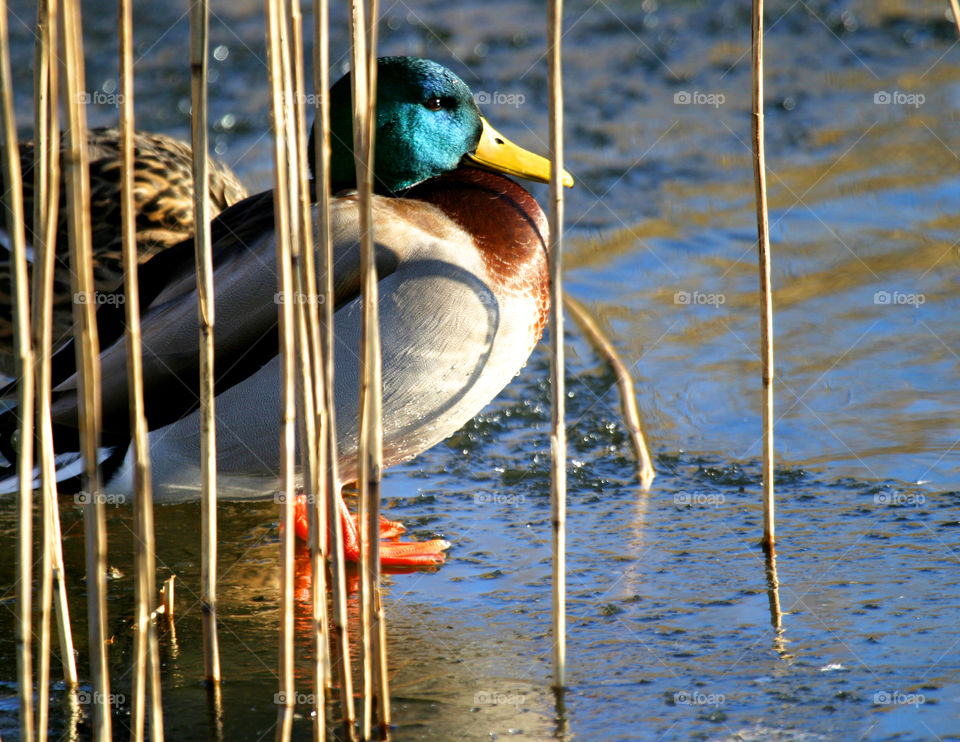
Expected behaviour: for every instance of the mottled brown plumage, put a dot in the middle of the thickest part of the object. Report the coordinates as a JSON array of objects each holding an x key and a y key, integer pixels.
[{"x": 163, "y": 199}]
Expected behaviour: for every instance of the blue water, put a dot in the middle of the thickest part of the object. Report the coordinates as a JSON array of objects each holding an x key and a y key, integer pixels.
[{"x": 672, "y": 634}]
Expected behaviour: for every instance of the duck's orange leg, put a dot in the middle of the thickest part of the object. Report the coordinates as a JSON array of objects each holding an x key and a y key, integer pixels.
[{"x": 396, "y": 554}]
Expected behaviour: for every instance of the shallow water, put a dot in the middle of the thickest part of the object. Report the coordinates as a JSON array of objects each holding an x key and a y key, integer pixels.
[{"x": 671, "y": 634}]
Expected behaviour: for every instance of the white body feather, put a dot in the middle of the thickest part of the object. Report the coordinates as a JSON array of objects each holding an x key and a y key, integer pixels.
[{"x": 450, "y": 340}]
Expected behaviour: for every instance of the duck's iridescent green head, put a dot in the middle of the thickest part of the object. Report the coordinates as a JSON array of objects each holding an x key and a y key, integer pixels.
[
  {"x": 427, "y": 124},
  {"x": 427, "y": 121}
]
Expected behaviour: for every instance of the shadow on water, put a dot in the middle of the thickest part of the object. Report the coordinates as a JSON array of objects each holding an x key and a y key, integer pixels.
[{"x": 680, "y": 627}]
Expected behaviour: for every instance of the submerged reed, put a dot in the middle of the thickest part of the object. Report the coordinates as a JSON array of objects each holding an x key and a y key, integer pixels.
[{"x": 628, "y": 397}]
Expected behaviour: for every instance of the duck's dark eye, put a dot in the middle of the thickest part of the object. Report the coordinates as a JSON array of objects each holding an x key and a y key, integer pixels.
[{"x": 433, "y": 104}]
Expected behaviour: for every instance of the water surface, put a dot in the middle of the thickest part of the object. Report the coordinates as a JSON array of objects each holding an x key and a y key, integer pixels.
[{"x": 671, "y": 630}]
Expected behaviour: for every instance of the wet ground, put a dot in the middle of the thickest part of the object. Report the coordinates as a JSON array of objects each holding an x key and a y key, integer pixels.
[{"x": 672, "y": 630}]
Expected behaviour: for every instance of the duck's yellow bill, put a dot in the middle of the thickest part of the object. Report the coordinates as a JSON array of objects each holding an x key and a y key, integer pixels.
[{"x": 497, "y": 152}]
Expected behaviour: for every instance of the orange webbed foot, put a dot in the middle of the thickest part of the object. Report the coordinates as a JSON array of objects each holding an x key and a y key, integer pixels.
[{"x": 394, "y": 554}]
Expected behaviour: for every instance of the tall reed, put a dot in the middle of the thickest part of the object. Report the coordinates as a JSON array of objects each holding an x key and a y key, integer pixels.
[
  {"x": 76, "y": 168},
  {"x": 146, "y": 680},
  {"x": 199, "y": 33},
  {"x": 13, "y": 211},
  {"x": 363, "y": 28},
  {"x": 333, "y": 537},
  {"x": 766, "y": 290},
  {"x": 278, "y": 68},
  {"x": 46, "y": 206},
  {"x": 558, "y": 433}
]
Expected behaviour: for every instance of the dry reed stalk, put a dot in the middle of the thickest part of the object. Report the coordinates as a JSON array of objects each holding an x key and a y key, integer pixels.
[
  {"x": 46, "y": 170},
  {"x": 304, "y": 329},
  {"x": 309, "y": 336},
  {"x": 282, "y": 135},
  {"x": 46, "y": 211},
  {"x": 46, "y": 208},
  {"x": 370, "y": 455},
  {"x": 766, "y": 291},
  {"x": 328, "y": 426},
  {"x": 628, "y": 397},
  {"x": 13, "y": 208},
  {"x": 146, "y": 681},
  {"x": 373, "y": 365},
  {"x": 955, "y": 8},
  {"x": 199, "y": 33},
  {"x": 76, "y": 163},
  {"x": 558, "y": 434},
  {"x": 42, "y": 93}
]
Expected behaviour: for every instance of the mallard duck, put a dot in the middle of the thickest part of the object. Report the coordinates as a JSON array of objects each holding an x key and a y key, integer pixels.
[
  {"x": 464, "y": 294},
  {"x": 163, "y": 199}
]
